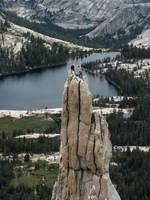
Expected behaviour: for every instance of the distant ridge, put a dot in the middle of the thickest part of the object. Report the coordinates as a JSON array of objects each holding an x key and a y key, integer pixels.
[{"x": 114, "y": 19}]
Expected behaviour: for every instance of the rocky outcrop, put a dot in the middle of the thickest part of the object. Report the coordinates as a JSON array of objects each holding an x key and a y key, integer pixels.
[{"x": 86, "y": 149}]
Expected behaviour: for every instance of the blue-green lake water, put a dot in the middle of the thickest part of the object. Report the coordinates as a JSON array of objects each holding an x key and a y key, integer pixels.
[{"x": 43, "y": 88}]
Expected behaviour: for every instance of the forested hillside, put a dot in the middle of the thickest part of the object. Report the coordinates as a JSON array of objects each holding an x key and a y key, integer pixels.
[{"x": 33, "y": 55}]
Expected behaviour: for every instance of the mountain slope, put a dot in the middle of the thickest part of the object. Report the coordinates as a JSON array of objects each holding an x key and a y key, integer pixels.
[
  {"x": 107, "y": 17},
  {"x": 12, "y": 35},
  {"x": 142, "y": 40}
]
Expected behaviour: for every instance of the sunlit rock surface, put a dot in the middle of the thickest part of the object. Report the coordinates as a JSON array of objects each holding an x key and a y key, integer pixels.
[
  {"x": 103, "y": 17},
  {"x": 86, "y": 149}
]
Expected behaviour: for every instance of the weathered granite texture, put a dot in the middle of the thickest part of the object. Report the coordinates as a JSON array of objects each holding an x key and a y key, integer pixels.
[{"x": 86, "y": 148}]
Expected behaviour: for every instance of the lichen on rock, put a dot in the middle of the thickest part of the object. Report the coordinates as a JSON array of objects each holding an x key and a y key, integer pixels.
[{"x": 86, "y": 148}]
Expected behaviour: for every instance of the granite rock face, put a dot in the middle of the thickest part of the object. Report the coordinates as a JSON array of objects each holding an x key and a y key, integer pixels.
[
  {"x": 103, "y": 17},
  {"x": 86, "y": 149}
]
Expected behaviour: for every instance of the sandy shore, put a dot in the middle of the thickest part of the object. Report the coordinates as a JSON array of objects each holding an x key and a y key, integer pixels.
[
  {"x": 37, "y": 135},
  {"x": 27, "y": 113}
]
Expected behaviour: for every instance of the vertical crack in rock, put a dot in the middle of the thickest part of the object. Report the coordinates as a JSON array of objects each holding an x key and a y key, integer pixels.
[
  {"x": 85, "y": 148},
  {"x": 67, "y": 109},
  {"x": 94, "y": 159},
  {"x": 101, "y": 128},
  {"x": 79, "y": 107},
  {"x": 67, "y": 125},
  {"x": 67, "y": 114}
]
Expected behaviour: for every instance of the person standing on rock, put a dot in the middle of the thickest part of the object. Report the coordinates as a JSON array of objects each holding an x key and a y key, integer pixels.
[
  {"x": 72, "y": 69},
  {"x": 79, "y": 71}
]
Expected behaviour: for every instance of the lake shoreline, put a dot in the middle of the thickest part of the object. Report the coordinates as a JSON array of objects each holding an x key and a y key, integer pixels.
[
  {"x": 27, "y": 113},
  {"x": 33, "y": 70},
  {"x": 110, "y": 81},
  {"x": 43, "y": 86},
  {"x": 57, "y": 111}
]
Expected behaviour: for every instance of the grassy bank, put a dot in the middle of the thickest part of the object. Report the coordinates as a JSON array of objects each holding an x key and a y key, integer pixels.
[
  {"x": 27, "y": 180},
  {"x": 37, "y": 124},
  {"x": 35, "y": 174}
]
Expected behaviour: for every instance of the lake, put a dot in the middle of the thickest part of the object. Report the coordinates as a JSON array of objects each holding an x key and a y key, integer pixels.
[{"x": 43, "y": 88}]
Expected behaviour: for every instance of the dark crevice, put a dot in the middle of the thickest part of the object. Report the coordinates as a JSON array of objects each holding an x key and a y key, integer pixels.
[
  {"x": 67, "y": 110},
  {"x": 101, "y": 130},
  {"x": 94, "y": 144},
  {"x": 79, "y": 100},
  {"x": 80, "y": 192},
  {"x": 76, "y": 180},
  {"x": 79, "y": 110},
  {"x": 93, "y": 119},
  {"x": 90, "y": 131},
  {"x": 100, "y": 186}
]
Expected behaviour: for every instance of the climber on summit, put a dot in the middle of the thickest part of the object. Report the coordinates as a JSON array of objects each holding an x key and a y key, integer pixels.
[
  {"x": 72, "y": 69},
  {"x": 79, "y": 71},
  {"x": 76, "y": 71}
]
